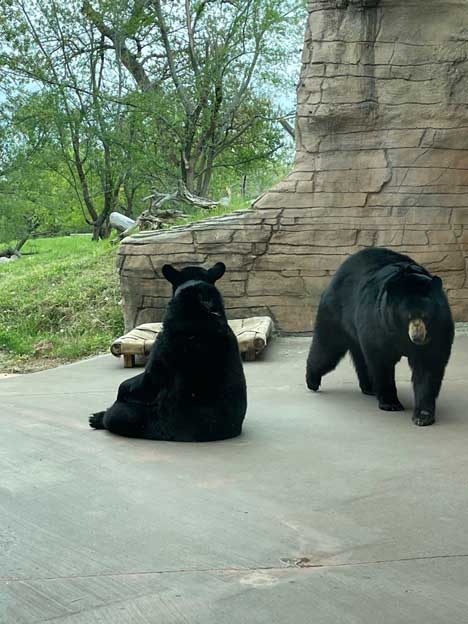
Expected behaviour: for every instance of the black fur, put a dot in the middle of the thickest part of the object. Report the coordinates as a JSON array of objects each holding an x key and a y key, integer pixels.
[
  {"x": 366, "y": 310},
  {"x": 193, "y": 388}
]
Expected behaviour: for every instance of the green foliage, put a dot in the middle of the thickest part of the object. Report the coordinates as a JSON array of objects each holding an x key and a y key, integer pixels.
[
  {"x": 59, "y": 304},
  {"x": 104, "y": 101},
  {"x": 34, "y": 190}
]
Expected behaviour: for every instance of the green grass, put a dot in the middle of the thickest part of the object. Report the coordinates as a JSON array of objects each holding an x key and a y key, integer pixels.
[{"x": 59, "y": 304}]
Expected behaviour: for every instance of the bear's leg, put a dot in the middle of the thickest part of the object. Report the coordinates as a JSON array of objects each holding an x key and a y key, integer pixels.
[
  {"x": 383, "y": 380},
  {"x": 329, "y": 346},
  {"x": 427, "y": 381},
  {"x": 124, "y": 419},
  {"x": 365, "y": 382}
]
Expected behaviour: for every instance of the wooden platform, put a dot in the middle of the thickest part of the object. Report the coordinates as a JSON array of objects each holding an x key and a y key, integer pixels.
[{"x": 252, "y": 334}]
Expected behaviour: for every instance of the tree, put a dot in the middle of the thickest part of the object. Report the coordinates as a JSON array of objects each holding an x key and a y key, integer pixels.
[
  {"x": 133, "y": 95},
  {"x": 205, "y": 55},
  {"x": 66, "y": 58}
]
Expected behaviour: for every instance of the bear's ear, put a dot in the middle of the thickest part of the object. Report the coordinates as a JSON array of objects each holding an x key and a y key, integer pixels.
[
  {"x": 171, "y": 274},
  {"x": 216, "y": 272},
  {"x": 437, "y": 282}
]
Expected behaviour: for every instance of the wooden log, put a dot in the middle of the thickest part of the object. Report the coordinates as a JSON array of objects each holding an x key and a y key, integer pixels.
[{"x": 120, "y": 222}]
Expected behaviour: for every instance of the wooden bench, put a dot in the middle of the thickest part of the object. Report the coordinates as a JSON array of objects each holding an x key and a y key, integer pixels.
[{"x": 251, "y": 333}]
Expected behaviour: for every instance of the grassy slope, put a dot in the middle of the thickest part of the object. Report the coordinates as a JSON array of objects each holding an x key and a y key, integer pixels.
[
  {"x": 62, "y": 302},
  {"x": 58, "y": 305}
]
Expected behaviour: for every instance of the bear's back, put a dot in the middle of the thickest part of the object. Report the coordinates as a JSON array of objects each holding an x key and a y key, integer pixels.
[{"x": 203, "y": 360}]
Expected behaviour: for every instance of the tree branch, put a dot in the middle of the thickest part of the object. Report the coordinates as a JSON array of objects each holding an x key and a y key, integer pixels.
[
  {"x": 129, "y": 60},
  {"x": 191, "y": 39},
  {"x": 287, "y": 126},
  {"x": 170, "y": 58}
]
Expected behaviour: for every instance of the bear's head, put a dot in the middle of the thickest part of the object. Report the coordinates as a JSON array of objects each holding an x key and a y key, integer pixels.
[
  {"x": 193, "y": 273},
  {"x": 413, "y": 300},
  {"x": 197, "y": 300},
  {"x": 195, "y": 297}
]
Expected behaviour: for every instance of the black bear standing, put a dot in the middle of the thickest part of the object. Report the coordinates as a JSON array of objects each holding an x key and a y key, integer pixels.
[
  {"x": 380, "y": 306},
  {"x": 193, "y": 388}
]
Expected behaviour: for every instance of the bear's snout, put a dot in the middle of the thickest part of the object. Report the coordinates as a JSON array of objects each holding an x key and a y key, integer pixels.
[{"x": 417, "y": 331}]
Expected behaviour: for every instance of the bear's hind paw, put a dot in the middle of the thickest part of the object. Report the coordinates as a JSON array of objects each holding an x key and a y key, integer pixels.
[
  {"x": 96, "y": 421},
  {"x": 395, "y": 406}
]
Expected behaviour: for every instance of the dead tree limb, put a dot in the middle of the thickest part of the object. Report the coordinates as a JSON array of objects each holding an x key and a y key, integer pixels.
[
  {"x": 288, "y": 127},
  {"x": 183, "y": 195},
  {"x": 194, "y": 200},
  {"x": 158, "y": 215},
  {"x": 32, "y": 223}
]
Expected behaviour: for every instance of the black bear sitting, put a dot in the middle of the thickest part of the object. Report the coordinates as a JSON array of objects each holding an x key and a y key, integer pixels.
[
  {"x": 193, "y": 388},
  {"x": 381, "y": 306}
]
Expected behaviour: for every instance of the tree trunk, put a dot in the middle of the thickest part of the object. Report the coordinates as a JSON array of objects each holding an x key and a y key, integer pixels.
[
  {"x": 129, "y": 192},
  {"x": 101, "y": 228},
  {"x": 205, "y": 181},
  {"x": 187, "y": 164},
  {"x": 96, "y": 230},
  {"x": 244, "y": 186}
]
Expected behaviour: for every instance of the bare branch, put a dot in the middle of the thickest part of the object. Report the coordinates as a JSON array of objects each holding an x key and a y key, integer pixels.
[
  {"x": 129, "y": 60},
  {"x": 287, "y": 126},
  {"x": 170, "y": 58},
  {"x": 190, "y": 32}
]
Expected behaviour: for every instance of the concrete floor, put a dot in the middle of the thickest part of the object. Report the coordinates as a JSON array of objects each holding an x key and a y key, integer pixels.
[{"x": 325, "y": 511}]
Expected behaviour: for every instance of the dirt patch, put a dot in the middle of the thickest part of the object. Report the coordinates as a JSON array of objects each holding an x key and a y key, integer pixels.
[{"x": 16, "y": 366}]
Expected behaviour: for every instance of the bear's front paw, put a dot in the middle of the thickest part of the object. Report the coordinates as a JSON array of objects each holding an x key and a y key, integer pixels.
[
  {"x": 391, "y": 406},
  {"x": 313, "y": 383},
  {"x": 368, "y": 390},
  {"x": 423, "y": 418}
]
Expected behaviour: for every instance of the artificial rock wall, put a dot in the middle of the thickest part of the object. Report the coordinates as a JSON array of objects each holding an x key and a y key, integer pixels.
[{"x": 382, "y": 159}]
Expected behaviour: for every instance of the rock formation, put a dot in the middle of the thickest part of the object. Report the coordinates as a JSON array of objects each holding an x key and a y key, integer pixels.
[{"x": 382, "y": 159}]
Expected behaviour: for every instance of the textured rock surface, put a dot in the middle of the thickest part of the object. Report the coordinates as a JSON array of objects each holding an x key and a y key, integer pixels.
[{"x": 382, "y": 159}]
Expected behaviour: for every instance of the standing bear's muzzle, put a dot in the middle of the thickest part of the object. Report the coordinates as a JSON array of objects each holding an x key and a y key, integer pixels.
[{"x": 417, "y": 331}]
